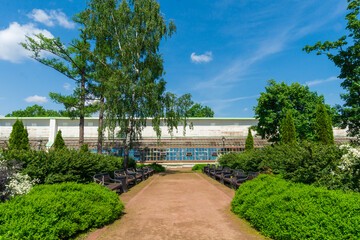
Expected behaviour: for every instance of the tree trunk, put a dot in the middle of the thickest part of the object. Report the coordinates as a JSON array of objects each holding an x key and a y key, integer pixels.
[
  {"x": 127, "y": 145},
  {"x": 82, "y": 112},
  {"x": 100, "y": 128}
]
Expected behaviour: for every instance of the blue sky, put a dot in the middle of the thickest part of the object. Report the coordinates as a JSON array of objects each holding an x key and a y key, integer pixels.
[{"x": 223, "y": 53}]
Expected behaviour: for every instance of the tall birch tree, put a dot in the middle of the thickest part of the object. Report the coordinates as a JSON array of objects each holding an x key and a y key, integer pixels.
[{"x": 135, "y": 91}]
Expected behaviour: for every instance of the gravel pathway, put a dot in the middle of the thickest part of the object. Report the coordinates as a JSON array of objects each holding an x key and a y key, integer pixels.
[{"x": 178, "y": 204}]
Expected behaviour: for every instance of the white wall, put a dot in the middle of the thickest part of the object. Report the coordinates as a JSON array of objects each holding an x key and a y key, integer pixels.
[{"x": 211, "y": 127}]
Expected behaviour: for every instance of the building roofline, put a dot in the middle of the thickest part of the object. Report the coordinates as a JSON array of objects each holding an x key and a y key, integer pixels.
[{"x": 91, "y": 118}]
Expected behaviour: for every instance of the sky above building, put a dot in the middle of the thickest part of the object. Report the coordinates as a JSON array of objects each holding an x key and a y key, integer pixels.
[{"x": 223, "y": 52}]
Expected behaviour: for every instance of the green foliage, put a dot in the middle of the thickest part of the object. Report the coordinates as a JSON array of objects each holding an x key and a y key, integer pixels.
[
  {"x": 36, "y": 111},
  {"x": 272, "y": 103},
  {"x": 58, "y": 211},
  {"x": 323, "y": 126},
  {"x": 198, "y": 167},
  {"x": 198, "y": 110},
  {"x": 19, "y": 137},
  {"x": 84, "y": 147},
  {"x": 59, "y": 142},
  {"x": 249, "y": 144},
  {"x": 344, "y": 53},
  {"x": 287, "y": 129},
  {"x": 64, "y": 165},
  {"x": 306, "y": 162},
  {"x": 157, "y": 167},
  {"x": 130, "y": 33},
  {"x": 283, "y": 210}
]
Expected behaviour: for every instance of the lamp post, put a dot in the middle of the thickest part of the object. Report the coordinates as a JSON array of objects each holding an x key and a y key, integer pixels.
[
  {"x": 223, "y": 140},
  {"x": 39, "y": 144}
]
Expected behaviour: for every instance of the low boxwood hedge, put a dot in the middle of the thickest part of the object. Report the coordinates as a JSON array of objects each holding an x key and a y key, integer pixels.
[
  {"x": 285, "y": 210},
  {"x": 198, "y": 167},
  {"x": 58, "y": 211}
]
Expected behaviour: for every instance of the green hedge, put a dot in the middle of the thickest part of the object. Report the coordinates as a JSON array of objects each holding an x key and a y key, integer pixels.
[
  {"x": 198, "y": 167},
  {"x": 306, "y": 162},
  {"x": 286, "y": 210},
  {"x": 64, "y": 165},
  {"x": 58, "y": 211},
  {"x": 157, "y": 167}
]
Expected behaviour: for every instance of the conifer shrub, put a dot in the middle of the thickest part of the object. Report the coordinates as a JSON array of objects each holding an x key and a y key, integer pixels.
[
  {"x": 280, "y": 209},
  {"x": 19, "y": 137},
  {"x": 84, "y": 147},
  {"x": 249, "y": 144},
  {"x": 323, "y": 126},
  {"x": 287, "y": 129},
  {"x": 58, "y": 211},
  {"x": 59, "y": 142}
]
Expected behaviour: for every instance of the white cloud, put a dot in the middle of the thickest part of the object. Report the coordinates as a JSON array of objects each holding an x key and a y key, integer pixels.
[
  {"x": 230, "y": 99},
  {"x": 36, "y": 99},
  {"x": 41, "y": 16},
  {"x": 203, "y": 58},
  {"x": 67, "y": 86},
  {"x": 50, "y": 18},
  {"x": 10, "y": 38},
  {"x": 320, "y": 81}
]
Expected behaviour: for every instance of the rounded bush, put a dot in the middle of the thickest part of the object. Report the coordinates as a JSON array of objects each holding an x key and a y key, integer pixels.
[
  {"x": 285, "y": 210},
  {"x": 58, "y": 211}
]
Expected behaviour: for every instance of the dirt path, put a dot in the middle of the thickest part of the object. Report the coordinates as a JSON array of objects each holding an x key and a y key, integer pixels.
[{"x": 178, "y": 205}]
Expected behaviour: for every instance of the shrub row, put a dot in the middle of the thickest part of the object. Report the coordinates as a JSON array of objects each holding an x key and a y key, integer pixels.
[
  {"x": 285, "y": 210},
  {"x": 63, "y": 165},
  {"x": 198, "y": 167},
  {"x": 307, "y": 163},
  {"x": 157, "y": 167},
  {"x": 58, "y": 211}
]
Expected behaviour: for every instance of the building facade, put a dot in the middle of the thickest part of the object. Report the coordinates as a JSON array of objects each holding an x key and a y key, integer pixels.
[{"x": 207, "y": 138}]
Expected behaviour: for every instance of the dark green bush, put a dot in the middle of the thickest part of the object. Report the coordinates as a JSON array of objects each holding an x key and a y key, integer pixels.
[
  {"x": 306, "y": 162},
  {"x": 198, "y": 167},
  {"x": 285, "y": 210},
  {"x": 157, "y": 167},
  {"x": 58, "y": 211},
  {"x": 19, "y": 136},
  {"x": 59, "y": 143},
  {"x": 64, "y": 165},
  {"x": 84, "y": 147}
]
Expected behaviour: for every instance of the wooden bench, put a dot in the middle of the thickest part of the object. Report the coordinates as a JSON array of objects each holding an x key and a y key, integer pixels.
[
  {"x": 125, "y": 179},
  {"x": 104, "y": 179},
  {"x": 139, "y": 176}
]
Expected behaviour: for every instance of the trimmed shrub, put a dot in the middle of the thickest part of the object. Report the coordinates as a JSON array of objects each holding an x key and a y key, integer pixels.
[
  {"x": 59, "y": 142},
  {"x": 323, "y": 125},
  {"x": 287, "y": 129},
  {"x": 157, "y": 167},
  {"x": 285, "y": 210},
  {"x": 19, "y": 137},
  {"x": 64, "y": 165},
  {"x": 198, "y": 167},
  {"x": 84, "y": 147},
  {"x": 58, "y": 211},
  {"x": 249, "y": 144}
]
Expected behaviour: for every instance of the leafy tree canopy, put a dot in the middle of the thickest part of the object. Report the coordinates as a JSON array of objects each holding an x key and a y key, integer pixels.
[
  {"x": 277, "y": 97},
  {"x": 345, "y": 53},
  {"x": 198, "y": 110},
  {"x": 37, "y": 111}
]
